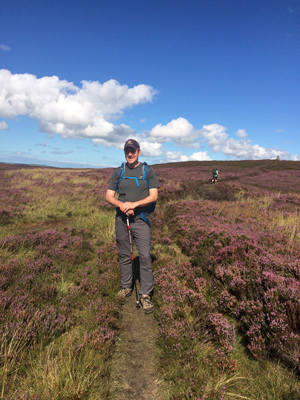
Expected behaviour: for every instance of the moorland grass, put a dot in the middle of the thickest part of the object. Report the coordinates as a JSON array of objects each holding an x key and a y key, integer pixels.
[
  {"x": 271, "y": 216},
  {"x": 189, "y": 361},
  {"x": 59, "y": 276},
  {"x": 51, "y": 251}
]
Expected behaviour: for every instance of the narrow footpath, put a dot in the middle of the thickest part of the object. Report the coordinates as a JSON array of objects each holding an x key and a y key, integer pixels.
[{"x": 134, "y": 369}]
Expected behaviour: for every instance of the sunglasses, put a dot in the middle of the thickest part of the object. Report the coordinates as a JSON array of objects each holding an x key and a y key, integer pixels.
[{"x": 130, "y": 150}]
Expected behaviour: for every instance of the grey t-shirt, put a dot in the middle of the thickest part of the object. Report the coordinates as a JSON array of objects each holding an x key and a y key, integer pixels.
[{"x": 133, "y": 189}]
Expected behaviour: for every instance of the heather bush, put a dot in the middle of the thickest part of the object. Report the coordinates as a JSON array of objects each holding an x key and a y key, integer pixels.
[
  {"x": 242, "y": 262},
  {"x": 57, "y": 312},
  {"x": 243, "y": 268},
  {"x": 226, "y": 270}
]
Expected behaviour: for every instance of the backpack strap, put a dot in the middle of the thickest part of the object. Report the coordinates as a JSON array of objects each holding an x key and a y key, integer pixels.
[
  {"x": 122, "y": 167},
  {"x": 145, "y": 172},
  {"x": 149, "y": 209},
  {"x": 144, "y": 176}
]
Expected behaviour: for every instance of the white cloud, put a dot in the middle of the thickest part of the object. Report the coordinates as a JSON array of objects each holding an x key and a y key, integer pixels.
[
  {"x": 3, "y": 126},
  {"x": 245, "y": 150},
  {"x": 241, "y": 133},
  {"x": 177, "y": 156},
  {"x": 200, "y": 156},
  {"x": 215, "y": 135},
  {"x": 295, "y": 158},
  {"x": 180, "y": 131},
  {"x": 151, "y": 149},
  {"x": 116, "y": 137},
  {"x": 91, "y": 111},
  {"x": 72, "y": 112},
  {"x": 4, "y": 47},
  {"x": 217, "y": 138}
]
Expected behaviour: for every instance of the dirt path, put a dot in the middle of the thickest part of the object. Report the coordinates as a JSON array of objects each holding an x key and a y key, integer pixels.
[{"x": 134, "y": 375}]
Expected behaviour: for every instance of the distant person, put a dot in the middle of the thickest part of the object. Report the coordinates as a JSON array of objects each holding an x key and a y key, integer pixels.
[
  {"x": 137, "y": 191},
  {"x": 215, "y": 174}
]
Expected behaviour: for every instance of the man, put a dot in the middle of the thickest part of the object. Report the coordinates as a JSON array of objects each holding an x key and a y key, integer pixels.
[
  {"x": 135, "y": 195},
  {"x": 215, "y": 174}
]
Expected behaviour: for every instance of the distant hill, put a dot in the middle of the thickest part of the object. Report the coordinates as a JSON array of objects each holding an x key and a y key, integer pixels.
[
  {"x": 9, "y": 166},
  {"x": 269, "y": 164}
]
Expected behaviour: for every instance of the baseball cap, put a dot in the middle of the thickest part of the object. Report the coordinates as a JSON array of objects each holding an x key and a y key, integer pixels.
[{"x": 132, "y": 144}]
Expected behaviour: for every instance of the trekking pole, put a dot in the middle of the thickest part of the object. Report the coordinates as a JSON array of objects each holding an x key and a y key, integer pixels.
[{"x": 133, "y": 271}]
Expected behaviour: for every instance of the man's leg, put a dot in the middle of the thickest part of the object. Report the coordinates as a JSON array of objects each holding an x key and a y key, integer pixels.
[
  {"x": 124, "y": 253},
  {"x": 142, "y": 238}
]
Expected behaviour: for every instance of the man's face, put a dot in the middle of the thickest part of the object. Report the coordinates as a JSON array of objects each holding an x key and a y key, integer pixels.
[{"x": 132, "y": 156}]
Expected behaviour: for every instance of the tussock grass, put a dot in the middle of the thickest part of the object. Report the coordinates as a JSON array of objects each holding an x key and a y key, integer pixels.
[
  {"x": 21, "y": 255},
  {"x": 200, "y": 372},
  {"x": 55, "y": 206},
  {"x": 12, "y": 354},
  {"x": 69, "y": 279},
  {"x": 59, "y": 372},
  {"x": 101, "y": 223},
  {"x": 264, "y": 381},
  {"x": 58, "y": 285},
  {"x": 196, "y": 227},
  {"x": 260, "y": 209}
]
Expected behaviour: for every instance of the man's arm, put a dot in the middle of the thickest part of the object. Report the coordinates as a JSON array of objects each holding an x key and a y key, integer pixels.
[
  {"x": 152, "y": 198},
  {"x": 110, "y": 198}
]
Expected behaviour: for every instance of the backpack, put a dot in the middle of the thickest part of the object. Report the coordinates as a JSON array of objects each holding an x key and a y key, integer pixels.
[
  {"x": 215, "y": 172},
  {"x": 151, "y": 207}
]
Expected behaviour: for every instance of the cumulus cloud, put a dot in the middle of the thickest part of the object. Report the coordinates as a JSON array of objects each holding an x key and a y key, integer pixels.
[
  {"x": 200, "y": 156},
  {"x": 241, "y": 133},
  {"x": 3, "y": 126},
  {"x": 245, "y": 150},
  {"x": 70, "y": 111},
  {"x": 92, "y": 109},
  {"x": 117, "y": 136},
  {"x": 177, "y": 156},
  {"x": 180, "y": 131},
  {"x": 151, "y": 149},
  {"x": 218, "y": 139},
  {"x": 215, "y": 135}
]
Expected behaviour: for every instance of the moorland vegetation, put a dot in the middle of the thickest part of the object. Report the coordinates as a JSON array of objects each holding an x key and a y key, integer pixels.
[{"x": 227, "y": 282}]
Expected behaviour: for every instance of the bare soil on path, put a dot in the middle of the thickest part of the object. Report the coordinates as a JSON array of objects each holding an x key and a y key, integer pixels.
[{"x": 134, "y": 369}]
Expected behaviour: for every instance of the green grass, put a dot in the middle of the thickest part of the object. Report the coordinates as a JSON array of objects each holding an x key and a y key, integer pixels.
[
  {"x": 72, "y": 366},
  {"x": 253, "y": 380},
  {"x": 76, "y": 364},
  {"x": 56, "y": 373}
]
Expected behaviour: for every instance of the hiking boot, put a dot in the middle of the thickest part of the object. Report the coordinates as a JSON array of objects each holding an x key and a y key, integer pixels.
[
  {"x": 147, "y": 304},
  {"x": 123, "y": 293}
]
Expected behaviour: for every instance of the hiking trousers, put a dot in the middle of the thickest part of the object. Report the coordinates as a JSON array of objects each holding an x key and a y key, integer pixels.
[{"x": 141, "y": 235}]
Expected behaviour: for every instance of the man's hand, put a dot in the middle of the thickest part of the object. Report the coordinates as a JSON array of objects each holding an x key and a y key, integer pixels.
[{"x": 128, "y": 206}]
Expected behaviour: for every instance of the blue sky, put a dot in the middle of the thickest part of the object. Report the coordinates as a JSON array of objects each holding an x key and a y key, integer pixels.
[{"x": 189, "y": 79}]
